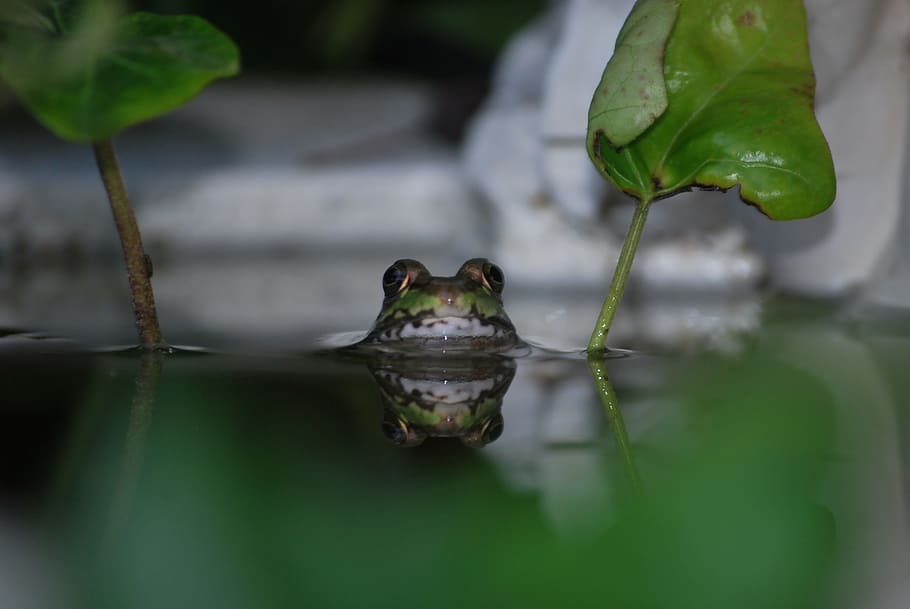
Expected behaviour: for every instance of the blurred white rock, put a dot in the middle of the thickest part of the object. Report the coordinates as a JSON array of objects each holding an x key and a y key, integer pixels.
[
  {"x": 714, "y": 261},
  {"x": 361, "y": 208},
  {"x": 526, "y": 154},
  {"x": 257, "y": 165},
  {"x": 588, "y": 29},
  {"x": 533, "y": 239}
]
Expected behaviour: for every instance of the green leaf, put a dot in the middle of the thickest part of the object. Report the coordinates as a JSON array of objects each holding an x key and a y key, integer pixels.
[
  {"x": 632, "y": 94},
  {"x": 93, "y": 81},
  {"x": 740, "y": 111},
  {"x": 25, "y": 13}
]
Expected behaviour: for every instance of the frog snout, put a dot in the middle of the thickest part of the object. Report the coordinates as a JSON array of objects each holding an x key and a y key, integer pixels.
[{"x": 447, "y": 295}]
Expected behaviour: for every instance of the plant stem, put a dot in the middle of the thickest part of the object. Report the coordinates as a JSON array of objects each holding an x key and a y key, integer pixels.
[
  {"x": 133, "y": 254},
  {"x": 618, "y": 284},
  {"x": 614, "y": 417}
]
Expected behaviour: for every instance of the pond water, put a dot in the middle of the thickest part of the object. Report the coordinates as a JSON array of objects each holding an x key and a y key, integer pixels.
[{"x": 772, "y": 477}]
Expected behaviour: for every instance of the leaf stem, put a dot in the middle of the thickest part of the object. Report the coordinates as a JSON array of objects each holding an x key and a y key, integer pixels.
[
  {"x": 137, "y": 269},
  {"x": 598, "y": 338},
  {"x": 614, "y": 417}
]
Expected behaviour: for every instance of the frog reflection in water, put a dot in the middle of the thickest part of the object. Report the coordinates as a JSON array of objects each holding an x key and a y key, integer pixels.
[
  {"x": 458, "y": 398},
  {"x": 457, "y": 327},
  {"x": 463, "y": 312}
]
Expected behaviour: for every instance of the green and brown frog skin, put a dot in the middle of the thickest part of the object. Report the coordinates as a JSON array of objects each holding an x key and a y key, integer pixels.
[{"x": 463, "y": 312}]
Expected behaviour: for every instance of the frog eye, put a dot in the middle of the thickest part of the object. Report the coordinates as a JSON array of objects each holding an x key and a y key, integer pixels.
[
  {"x": 493, "y": 277},
  {"x": 394, "y": 278}
]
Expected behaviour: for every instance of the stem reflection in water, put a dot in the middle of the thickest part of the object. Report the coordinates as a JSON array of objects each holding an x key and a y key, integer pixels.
[
  {"x": 614, "y": 416},
  {"x": 141, "y": 411}
]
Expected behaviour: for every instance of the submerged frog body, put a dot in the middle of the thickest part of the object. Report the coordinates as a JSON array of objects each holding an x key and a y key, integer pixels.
[{"x": 447, "y": 313}]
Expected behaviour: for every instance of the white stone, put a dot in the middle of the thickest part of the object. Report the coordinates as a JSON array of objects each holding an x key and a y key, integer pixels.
[
  {"x": 589, "y": 28},
  {"x": 709, "y": 262},
  {"x": 417, "y": 204},
  {"x": 268, "y": 123},
  {"x": 534, "y": 242}
]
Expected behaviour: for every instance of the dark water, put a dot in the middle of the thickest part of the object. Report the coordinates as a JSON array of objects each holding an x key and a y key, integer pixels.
[{"x": 773, "y": 477}]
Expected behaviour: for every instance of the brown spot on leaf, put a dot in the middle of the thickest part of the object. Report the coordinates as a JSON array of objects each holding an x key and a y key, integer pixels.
[
  {"x": 805, "y": 89},
  {"x": 747, "y": 19},
  {"x": 644, "y": 94},
  {"x": 598, "y": 138}
]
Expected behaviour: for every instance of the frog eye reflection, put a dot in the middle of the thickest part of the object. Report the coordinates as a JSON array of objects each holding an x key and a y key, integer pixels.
[
  {"x": 394, "y": 279},
  {"x": 394, "y": 431},
  {"x": 493, "y": 276},
  {"x": 399, "y": 433},
  {"x": 492, "y": 429},
  {"x": 489, "y": 432}
]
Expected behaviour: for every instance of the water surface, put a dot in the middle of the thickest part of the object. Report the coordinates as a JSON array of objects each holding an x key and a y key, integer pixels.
[{"x": 773, "y": 477}]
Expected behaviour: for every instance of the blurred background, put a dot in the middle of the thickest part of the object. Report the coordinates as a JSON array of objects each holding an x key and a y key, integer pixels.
[
  {"x": 435, "y": 40},
  {"x": 363, "y": 131},
  {"x": 765, "y": 403}
]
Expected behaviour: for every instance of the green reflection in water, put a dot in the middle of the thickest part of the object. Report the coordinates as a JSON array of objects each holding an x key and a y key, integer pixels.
[
  {"x": 610, "y": 402},
  {"x": 274, "y": 489}
]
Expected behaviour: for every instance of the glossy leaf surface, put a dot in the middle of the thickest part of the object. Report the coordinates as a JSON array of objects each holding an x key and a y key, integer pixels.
[
  {"x": 740, "y": 111},
  {"x": 632, "y": 94},
  {"x": 87, "y": 82}
]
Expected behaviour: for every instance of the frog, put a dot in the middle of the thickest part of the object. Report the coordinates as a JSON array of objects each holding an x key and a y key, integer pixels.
[{"x": 463, "y": 312}]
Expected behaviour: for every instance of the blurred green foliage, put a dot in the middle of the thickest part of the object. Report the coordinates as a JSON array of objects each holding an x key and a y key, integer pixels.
[
  {"x": 435, "y": 39},
  {"x": 275, "y": 488},
  {"x": 86, "y": 71}
]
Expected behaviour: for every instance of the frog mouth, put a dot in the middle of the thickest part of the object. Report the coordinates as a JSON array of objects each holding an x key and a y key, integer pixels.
[
  {"x": 447, "y": 328},
  {"x": 452, "y": 327}
]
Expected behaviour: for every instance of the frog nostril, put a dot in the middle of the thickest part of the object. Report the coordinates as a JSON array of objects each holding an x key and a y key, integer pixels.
[{"x": 447, "y": 296}]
